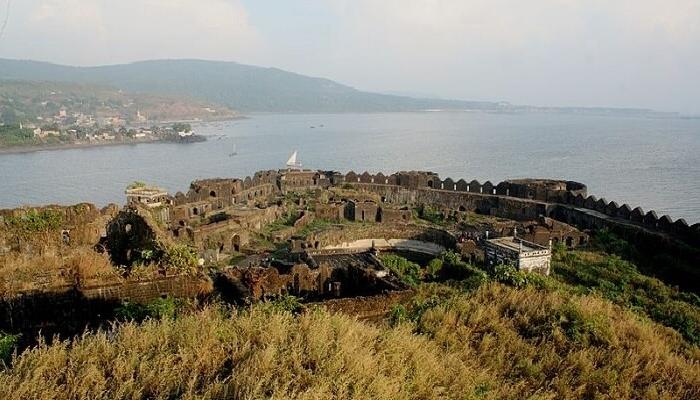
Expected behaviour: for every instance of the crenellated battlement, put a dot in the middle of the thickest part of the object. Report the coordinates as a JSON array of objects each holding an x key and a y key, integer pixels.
[{"x": 552, "y": 192}]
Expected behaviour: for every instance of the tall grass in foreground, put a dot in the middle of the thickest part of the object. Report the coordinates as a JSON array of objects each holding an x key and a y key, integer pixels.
[{"x": 497, "y": 342}]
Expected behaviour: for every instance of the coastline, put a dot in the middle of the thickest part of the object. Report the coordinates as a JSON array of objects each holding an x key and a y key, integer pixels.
[{"x": 71, "y": 146}]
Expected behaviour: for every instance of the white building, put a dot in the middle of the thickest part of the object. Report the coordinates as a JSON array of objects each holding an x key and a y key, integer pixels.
[{"x": 523, "y": 255}]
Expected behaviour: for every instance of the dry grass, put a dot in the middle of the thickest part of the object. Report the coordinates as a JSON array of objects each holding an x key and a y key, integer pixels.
[
  {"x": 253, "y": 355},
  {"x": 547, "y": 345},
  {"x": 497, "y": 342},
  {"x": 21, "y": 272}
]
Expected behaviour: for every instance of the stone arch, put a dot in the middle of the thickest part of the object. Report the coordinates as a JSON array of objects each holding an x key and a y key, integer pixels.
[
  {"x": 212, "y": 193},
  {"x": 125, "y": 246},
  {"x": 462, "y": 208},
  {"x": 236, "y": 242}
]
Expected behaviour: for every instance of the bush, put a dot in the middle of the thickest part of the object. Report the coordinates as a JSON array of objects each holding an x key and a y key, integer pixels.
[
  {"x": 434, "y": 268},
  {"x": 8, "y": 344},
  {"x": 408, "y": 272},
  {"x": 620, "y": 282},
  {"x": 286, "y": 303},
  {"x": 610, "y": 243},
  {"x": 181, "y": 258},
  {"x": 509, "y": 275},
  {"x": 36, "y": 221},
  {"x": 157, "y": 309}
]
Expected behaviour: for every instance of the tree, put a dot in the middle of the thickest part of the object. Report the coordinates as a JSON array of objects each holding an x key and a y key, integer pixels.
[{"x": 9, "y": 116}]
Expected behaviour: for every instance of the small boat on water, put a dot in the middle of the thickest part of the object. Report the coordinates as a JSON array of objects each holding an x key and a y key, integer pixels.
[
  {"x": 234, "y": 152},
  {"x": 292, "y": 163}
]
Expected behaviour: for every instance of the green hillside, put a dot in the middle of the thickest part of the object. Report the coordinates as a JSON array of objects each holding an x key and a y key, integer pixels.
[{"x": 242, "y": 87}]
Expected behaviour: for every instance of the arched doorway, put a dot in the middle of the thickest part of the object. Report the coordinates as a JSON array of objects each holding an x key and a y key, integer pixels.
[{"x": 236, "y": 243}]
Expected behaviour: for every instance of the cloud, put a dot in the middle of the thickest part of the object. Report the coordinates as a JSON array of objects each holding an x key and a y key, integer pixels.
[
  {"x": 573, "y": 52},
  {"x": 107, "y": 31},
  {"x": 551, "y": 52}
]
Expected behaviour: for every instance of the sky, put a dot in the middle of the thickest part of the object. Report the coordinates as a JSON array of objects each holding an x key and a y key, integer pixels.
[{"x": 618, "y": 53}]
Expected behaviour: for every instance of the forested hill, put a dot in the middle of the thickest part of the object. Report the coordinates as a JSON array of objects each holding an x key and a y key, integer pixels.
[{"x": 241, "y": 87}]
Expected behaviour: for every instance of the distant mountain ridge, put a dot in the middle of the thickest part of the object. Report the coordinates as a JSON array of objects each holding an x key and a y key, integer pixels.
[{"x": 244, "y": 87}]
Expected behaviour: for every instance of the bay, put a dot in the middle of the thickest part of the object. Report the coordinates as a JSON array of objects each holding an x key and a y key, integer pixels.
[{"x": 651, "y": 162}]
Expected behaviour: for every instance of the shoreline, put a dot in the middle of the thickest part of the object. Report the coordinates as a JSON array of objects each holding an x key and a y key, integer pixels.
[{"x": 72, "y": 146}]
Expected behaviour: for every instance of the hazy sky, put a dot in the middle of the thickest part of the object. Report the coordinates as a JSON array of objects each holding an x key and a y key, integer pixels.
[{"x": 637, "y": 53}]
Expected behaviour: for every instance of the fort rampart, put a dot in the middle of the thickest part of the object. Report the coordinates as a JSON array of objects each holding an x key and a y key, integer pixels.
[{"x": 521, "y": 200}]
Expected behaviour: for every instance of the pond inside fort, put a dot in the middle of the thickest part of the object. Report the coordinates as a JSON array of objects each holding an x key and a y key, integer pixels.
[{"x": 648, "y": 162}]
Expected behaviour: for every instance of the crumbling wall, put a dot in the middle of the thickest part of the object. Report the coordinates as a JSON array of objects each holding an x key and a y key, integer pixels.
[{"x": 132, "y": 232}]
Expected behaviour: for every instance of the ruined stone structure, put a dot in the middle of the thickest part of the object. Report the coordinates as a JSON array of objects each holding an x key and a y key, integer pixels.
[
  {"x": 526, "y": 199},
  {"x": 523, "y": 255},
  {"x": 322, "y": 275},
  {"x": 223, "y": 215}
]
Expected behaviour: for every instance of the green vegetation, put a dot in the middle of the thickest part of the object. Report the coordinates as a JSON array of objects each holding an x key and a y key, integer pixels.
[
  {"x": 34, "y": 221},
  {"x": 408, "y": 272},
  {"x": 431, "y": 214},
  {"x": 157, "y": 309},
  {"x": 285, "y": 221},
  {"x": 619, "y": 281},
  {"x": 12, "y": 135},
  {"x": 285, "y": 304},
  {"x": 25, "y": 100},
  {"x": 8, "y": 344},
  {"x": 136, "y": 185},
  {"x": 181, "y": 258},
  {"x": 317, "y": 225}
]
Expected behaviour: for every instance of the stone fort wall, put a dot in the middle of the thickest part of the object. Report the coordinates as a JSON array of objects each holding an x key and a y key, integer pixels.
[{"x": 520, "y": 200}]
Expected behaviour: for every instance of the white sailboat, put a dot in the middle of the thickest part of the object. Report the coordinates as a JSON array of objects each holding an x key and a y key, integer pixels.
[
  {"x": 292, "y": 163},
  {"x": 234, "y": 152}
]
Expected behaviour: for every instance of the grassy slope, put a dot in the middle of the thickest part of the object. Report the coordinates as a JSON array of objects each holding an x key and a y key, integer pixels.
[
  {"x": 548, "y": 339},
  {"x": 498, "y": 342}
]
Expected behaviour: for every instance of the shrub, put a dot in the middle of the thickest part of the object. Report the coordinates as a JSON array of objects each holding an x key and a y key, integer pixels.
[
  {"x": 408, "y": 272},
  {"x": 157, "y": 309},
  {"x": 36, "y": 221},
  {"x": 620, "y": 282},
  {"x": 509, "y": 275},
  {"x": 181, "y": 258},
  {"x": 434, "y": 268},
  {"x": 8, "y": 344},
  {"x": 286, "y": 303}
]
